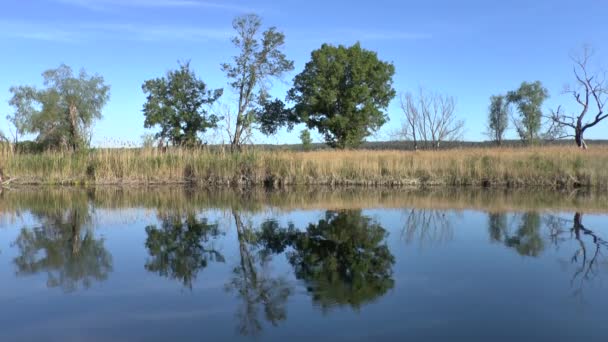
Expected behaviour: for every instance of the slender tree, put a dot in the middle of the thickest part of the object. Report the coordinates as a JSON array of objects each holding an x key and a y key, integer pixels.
[
  {"x": 498, "y": 118},
  {"x": 260, "y": 60},
  {"x": 178, "y": 103},
  {"x": 590, "y": 93}
]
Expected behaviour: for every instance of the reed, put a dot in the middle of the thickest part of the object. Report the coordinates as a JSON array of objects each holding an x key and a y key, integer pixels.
[{"x": 553, "y": 166}]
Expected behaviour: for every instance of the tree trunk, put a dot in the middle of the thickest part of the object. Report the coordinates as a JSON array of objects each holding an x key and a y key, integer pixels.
[
  {"x": 73, "y": 127},
  {"x": 578, "y": 137}
]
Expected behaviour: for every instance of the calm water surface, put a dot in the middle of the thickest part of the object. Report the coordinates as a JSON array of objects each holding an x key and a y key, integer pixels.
[{"x": 186, "y": 265}]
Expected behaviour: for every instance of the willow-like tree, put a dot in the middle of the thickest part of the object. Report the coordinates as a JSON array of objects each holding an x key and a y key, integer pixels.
[
  {"x": 528, "y": 100},
  {"x": 62, "y": 113},
  {"x": 590, "y": 93},
  {"x": 498, "y": 118},
  {"x": 178, "y": 103},
  {"x": 343, "y": 92},
  {"x": 260, "y": 60}
]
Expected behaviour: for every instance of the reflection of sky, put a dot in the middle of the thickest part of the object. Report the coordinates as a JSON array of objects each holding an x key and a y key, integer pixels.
[{"x": 466, "y": 286}]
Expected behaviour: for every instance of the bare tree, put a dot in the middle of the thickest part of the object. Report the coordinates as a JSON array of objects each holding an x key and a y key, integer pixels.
[
  {"x": 438, "y": 121},
  {"x": 431, "y": 118},
  {"x": 589, "y": 92},
  {"x": 409, "y": 127}
]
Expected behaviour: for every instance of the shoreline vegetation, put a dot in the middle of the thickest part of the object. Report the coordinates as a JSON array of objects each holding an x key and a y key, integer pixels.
[{"x": 556, "y": 167}]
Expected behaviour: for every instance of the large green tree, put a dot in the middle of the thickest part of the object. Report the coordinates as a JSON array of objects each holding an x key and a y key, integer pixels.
[
  {"x": 498, "y": 118},
  {"x": 528, "y": 100},
  {"x": 260, "y": 60},
  {"x": 343, "y": 92},
  {"x": 62, "y": 113},
  {"x": 178, "y": 103}
]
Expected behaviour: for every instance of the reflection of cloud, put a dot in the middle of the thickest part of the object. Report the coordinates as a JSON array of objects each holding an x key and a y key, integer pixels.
[
  {"x": 98, "y": 5},
  {"x": 53, "y": 32}
]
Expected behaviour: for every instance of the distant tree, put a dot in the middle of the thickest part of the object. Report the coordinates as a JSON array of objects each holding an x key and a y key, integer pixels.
[
  {"x": 343, "y": 92},
  {"x": 178, "y": 103},
  {"x": 148, "y": 140},
  {"x": 260, "y": 59},
  {"x": 63, "y": 113},
  {"x": 528, "y": 100},
  {"x": 306, "y": 139},
  {"x": 589, "y": 93},
  {"x": 431, "y": 117},
  {"x": 498, "y": 118}
]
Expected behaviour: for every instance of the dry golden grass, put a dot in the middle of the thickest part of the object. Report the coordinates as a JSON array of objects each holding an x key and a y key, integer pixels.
[{"x": 534, "y": 166}]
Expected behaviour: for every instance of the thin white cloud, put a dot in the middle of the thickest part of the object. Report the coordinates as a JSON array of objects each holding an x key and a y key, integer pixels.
[
  {"x": 100, "y": 5},
  {"x": 75, "y": 33}
]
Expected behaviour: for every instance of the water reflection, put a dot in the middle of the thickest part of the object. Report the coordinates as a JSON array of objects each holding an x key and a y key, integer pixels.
[
  {"x": 253, "y": 283},
  {"x": 343, "y": 259},
  {"x": 65, "y": 248},
  {"x": 525, "y": 239},
  {"x": 181, "y": 246},
  {"x": 587, "y": 257}
]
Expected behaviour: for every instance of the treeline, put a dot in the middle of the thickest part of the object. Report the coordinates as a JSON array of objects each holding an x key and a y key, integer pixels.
[{"x": 343, "y": 93}]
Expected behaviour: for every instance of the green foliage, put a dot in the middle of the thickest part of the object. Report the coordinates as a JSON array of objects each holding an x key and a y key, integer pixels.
[
  {"x": 63, "y": 113},
  {"x": 344, "y": 259},
  {"x": 179, "y": 247},
  {"x": 259, "y": 60},
  {"x": 306, "y": 139},
  {"x": 498, "y": 118},
  {"x": 70, "y": 255},
  {"x": 178, "y": 104},
  {"x": 528, "y": 99},
  {"x": 342, "y": 92},
  {"x": 526, "y": 240}
]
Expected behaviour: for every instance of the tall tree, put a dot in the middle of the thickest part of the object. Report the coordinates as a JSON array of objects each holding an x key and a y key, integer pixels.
[
  {"x": 498, "y": 118},
  {"x": 589, "y": 92},
  {"x": 63, "y": 113},
  {"x": 343, "y": 92},
  {"x": 260, "y": 59},
  {"x": 178, "y": 103},
  {"x": 528, "y": 99}
]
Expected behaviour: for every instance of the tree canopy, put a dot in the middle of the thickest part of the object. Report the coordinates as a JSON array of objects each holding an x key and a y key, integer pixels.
[
  {"x": 528, "y": 99},
  {"x": 62, "y": 113},
  {"x": 343, "y": 93},
  {"x": 178, "y": 103}
]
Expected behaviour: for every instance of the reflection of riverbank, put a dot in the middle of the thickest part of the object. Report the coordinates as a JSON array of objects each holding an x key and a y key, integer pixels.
[{"x": 320, "y": 198}]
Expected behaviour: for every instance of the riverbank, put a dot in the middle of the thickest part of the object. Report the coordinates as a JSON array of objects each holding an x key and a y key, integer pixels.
[{"x": 556, "y": 167}]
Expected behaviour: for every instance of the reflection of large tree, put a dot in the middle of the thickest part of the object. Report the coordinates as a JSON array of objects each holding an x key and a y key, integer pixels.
[
  {"x": 343, "y": 259},
  {"x": 63, "y": 246},
  {"x": 526, "y": 239},
  {"x": 181, "y": 246},
  {"x": 252, "y": 282}
]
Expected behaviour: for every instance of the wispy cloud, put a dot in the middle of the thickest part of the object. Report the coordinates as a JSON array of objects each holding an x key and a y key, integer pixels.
[
  {"x": 75, "y": 33},
  {"x": 100, "y": 5}
]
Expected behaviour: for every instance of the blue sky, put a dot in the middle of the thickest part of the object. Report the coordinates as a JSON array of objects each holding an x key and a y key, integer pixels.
[{"x": 469, "y": 49}]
